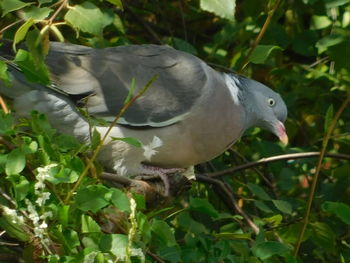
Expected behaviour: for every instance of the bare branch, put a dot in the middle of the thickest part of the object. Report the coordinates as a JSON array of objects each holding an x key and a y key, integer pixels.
[
  {"x": 228, "y": 198},
  {"x": 290, "y": 156}
]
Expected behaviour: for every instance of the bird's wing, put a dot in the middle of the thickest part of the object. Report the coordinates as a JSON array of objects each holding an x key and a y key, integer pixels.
[{"x": 106, "y": 75}]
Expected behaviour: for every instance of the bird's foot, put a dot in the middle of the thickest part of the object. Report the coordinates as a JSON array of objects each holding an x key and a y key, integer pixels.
[{"x": 152, "y": 172}]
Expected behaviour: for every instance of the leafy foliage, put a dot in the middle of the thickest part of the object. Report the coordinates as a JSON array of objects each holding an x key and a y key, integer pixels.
[{"x": 58, "y": 214}]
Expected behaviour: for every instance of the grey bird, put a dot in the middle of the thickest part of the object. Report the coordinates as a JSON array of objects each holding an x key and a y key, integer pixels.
[{"x": 189, "y": 115}]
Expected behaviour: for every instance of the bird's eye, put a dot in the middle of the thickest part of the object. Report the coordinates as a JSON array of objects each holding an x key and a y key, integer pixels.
[{"x": 271, "y": 102}]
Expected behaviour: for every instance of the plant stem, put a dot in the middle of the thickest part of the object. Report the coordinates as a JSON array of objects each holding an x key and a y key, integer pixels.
[
  {"x": 289, "y": 156},
  {"x": 104, "y": 138},
  {"x": 317, "y": 174},
  {"x": 260, "y": 36}
]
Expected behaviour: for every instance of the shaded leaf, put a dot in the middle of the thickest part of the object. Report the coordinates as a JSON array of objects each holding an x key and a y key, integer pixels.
[
  {"x": 120, "y": 200},
  {"x": 268, "y": 249},
  {"x": 283, "y": 206},
  {"x": 262, "y": 52},
  {"x": 258, "y": 191},
  {"x": 129, "y": 140},
  {"x": 328, "y": 118},
  {"x": 341, "y": 210},
  {"x": 88, "y": 225},
  {"x": 4, "y": 75},
  {"x": 204, "y": 206},
  {"x": 33, "y": 73},
  {"x": 163, "y": 232},
  {"x": 92, "y": 198}
]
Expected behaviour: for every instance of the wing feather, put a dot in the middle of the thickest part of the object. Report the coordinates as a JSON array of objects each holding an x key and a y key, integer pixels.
[{"x": 108, "y": 73}]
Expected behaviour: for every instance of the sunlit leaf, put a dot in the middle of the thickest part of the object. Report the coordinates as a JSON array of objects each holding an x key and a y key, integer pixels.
[
  {"x": 12, "y": 5},
  {"x": 88, "y": 18},
  {"x": 16, "y": 161},
  {"x": 222, "y": 8}
]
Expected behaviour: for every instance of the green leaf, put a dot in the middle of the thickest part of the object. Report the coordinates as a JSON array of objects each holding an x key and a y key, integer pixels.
[
  {"x": 63, "y": 214},
  {"x": 335, "y": 3},
  {"x": 6, "y": 123},
  {"x": 4, "y": 75},
  {"x": 129, "y": 140},
  {"x": 341, "y": 210},
  {"x": 340, "y": 54},
  {"x": 328, "y": 41},
  {"x": 88, "y": 18},
  {"x": 222, "y": 8},
  {"x": 189, "y": 225},
  {"x": 328, "y": 118},
  {"x": 13, "y": 229},
  {"x": 262, "y": 52},
  {"x": 120, "y": 200},
  {"x": 96, "y": 139},
  {"x": 60, "y": 174},
  {"x": 163, "y": 232},
  {"x": 32, "y": 72},
  {"x": 20, "y": 185},
  {"x": 12, "y": 5},
  {"x": 16, "y": 161},
  {"x": 283, "y": 206},
  {"x": 323, "y": 235},
  {"x": 114, "y": 243},
  {"x": 204, "y": 206},
  {"x": 67, "y": 142},
  {"x": 22, "y": 32},
  {"x": 88, "y": 225},
  {"x": 37, "y": 13},
  {"x": 131, "y": 91},
  {"x": 268, "y": 249},
  {"x": 258, "y": 191},
  {"x": 304, "y": 43},
  {"x": 92, "y": 198},
  {"x": 320, "y": 22},
  {"x": 183, "y": 45},
  {"x": 117, "y": 3}
]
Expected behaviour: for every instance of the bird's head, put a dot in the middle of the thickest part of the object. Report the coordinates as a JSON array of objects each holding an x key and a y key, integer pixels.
[{"x": 265, "y": 108}]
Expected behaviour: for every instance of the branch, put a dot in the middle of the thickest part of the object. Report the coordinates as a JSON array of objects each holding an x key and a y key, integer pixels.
[
  {"x": 260, "y": 36},
  {"x": 290, "y": 156},
  {"x": 228, "y": 198},
  {"x": 323, "y": 154}
]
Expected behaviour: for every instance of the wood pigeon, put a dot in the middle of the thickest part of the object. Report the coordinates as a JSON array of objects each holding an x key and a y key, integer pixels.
[{"x": 189, "y": 115}]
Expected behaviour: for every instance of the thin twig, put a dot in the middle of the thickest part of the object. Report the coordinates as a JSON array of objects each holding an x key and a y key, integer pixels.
[
  {"x": 10, "y": 25},
  {"x": 104, "y": 138},
  {"x": 58, "y": 10},
  {"x": 260, "y": 36},
  {"x": 4, "y": 105},
  {"x": 155, "y": 257},
  {"x": 229, "y": 198},
  {"x": 317, "y": 173},
  {"x": 144, "y": 24},
  {"x": 290, "y": 156}
]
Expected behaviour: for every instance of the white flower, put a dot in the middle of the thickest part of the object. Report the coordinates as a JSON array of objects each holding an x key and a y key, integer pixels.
[
  {"x": 12, "y": 214},
  {"x": 149, "y": 150},
  {"x": 42, "y": 198}
]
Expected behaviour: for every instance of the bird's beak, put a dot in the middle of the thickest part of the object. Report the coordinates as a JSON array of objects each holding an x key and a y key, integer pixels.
[{"x": 280, "y": 131}]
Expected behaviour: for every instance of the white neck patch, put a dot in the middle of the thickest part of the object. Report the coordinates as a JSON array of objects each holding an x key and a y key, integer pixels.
[{"x": 232, "y": 87}]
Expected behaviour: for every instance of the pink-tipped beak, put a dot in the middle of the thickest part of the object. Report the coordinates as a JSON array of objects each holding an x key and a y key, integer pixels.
[{"x": 281, "y": 133}]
